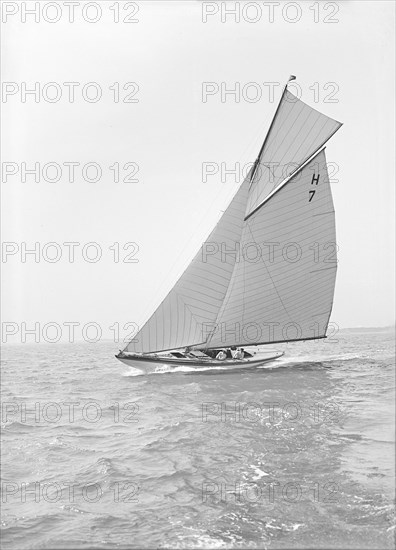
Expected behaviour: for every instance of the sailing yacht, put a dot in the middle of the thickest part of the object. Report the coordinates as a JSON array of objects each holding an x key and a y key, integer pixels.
[{"x": 266, "y": 274}]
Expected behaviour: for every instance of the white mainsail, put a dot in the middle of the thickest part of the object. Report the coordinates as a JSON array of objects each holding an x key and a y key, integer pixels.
[
  {"x": 283, "y": 284},
  {"x": 297, "y": 132},
  {"x": 267, "y": 271}
]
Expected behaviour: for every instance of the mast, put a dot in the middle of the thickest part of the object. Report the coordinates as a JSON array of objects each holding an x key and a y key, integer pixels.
[{"x": 257, "y": 161}]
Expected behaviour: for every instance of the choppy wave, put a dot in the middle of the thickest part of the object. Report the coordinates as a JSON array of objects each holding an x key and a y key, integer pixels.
[{"x": 295, "y": 451}]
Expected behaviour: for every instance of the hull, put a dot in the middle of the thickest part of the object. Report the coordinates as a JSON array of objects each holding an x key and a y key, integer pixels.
[{"x": 152, "y": 364}]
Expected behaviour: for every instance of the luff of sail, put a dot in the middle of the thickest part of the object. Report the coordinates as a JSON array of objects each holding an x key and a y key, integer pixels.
[
  {"x": 195, "y": 300},
  {"x": 283, "y": 282},
  {"x": 297, "y": 132}
]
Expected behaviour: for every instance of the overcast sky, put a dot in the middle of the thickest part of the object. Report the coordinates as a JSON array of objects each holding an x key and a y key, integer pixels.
[{"x": 170, "y": 131}]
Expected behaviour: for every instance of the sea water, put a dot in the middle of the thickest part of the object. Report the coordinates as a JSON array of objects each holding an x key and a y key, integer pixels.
[{"x": 296, "y": 454}]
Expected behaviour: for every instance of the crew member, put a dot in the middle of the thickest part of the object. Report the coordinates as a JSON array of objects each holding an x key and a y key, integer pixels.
[
  {"x": 221, "y": 355},
  {"x": 238, "y": 354}
]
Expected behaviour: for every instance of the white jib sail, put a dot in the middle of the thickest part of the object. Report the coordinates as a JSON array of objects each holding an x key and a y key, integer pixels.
[{"x": 195, "y": 300}]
